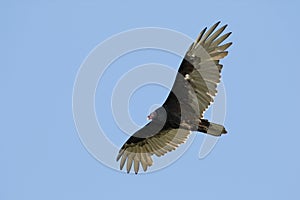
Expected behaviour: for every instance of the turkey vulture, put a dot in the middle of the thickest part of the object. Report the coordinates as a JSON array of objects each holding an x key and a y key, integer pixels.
[{"x": 193, "y": 91}]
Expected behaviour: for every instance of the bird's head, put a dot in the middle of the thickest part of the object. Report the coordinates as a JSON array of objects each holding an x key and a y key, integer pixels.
[
  {"x": 159, "y": 114},
  {"x": 152, "y": 115}
]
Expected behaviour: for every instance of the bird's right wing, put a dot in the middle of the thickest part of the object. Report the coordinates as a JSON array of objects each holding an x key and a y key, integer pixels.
[
  {"x": 147, "y": 141},
  {"x": 196, "y": 82}
]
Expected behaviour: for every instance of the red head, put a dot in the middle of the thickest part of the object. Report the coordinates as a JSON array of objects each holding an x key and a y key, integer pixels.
[{"x": 152, "y": 115}]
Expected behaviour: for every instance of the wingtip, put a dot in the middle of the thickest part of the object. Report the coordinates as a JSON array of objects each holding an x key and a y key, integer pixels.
[
  {"x": 218, "y": 22},
  {"x": 118, "y": 157},
  {"x": 120, "y": 154}
]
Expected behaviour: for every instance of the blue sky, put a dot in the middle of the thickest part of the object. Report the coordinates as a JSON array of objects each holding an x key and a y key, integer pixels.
[{"x": 43, "y": 44}]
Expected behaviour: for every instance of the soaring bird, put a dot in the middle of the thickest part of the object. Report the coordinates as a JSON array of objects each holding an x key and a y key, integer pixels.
[{"x": 192, "y": 93}]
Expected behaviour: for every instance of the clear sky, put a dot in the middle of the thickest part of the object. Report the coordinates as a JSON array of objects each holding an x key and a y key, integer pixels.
[{"x": 43, "y": 44}]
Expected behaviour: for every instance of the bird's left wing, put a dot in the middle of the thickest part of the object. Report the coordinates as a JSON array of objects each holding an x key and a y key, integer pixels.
[{"x": 147, "y": 141}]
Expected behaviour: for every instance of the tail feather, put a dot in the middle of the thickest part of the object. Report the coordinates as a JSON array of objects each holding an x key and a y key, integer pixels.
[{"x": 211, "y": 128}]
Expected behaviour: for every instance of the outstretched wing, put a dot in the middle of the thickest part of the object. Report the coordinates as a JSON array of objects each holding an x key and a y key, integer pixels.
[
  {"x": 198, "y": 75},
  {"x": 149, "y": 140}
]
